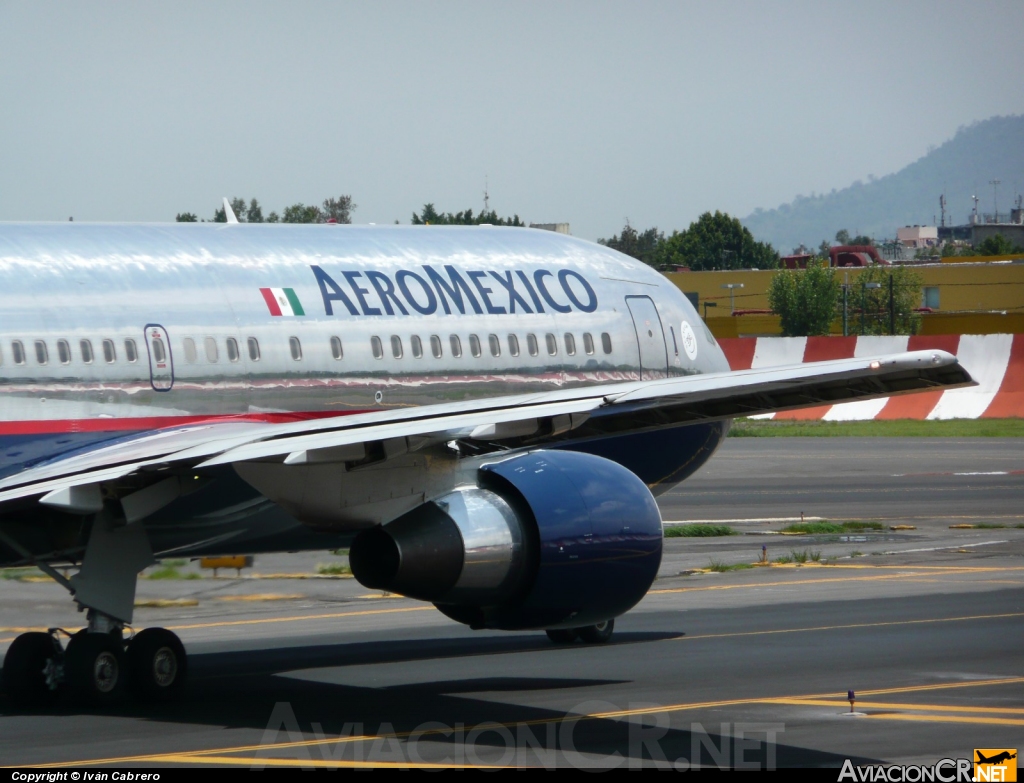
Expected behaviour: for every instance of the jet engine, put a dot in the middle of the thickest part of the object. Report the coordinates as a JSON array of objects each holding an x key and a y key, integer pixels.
[{"x": 547, "y": 539}]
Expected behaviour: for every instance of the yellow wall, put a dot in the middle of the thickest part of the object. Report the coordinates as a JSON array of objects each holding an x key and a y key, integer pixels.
[{"x": 964, "y": 290}]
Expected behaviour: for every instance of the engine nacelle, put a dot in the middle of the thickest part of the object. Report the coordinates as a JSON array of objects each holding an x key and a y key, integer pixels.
[{"x": 548, "y": 539}]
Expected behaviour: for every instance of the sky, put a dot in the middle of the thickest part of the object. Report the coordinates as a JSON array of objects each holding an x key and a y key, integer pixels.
[{"x": 590, "y": 112}]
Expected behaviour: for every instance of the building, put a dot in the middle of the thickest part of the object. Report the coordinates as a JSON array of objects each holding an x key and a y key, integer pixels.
[
  {"x": 918, "y": 236},
  {"x": 558, "y": 228}
]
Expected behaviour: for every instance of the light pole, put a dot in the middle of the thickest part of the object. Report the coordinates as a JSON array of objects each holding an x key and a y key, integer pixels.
[
  {"x": 732, "y": 295},
  {"x": 863, "y": 300}
]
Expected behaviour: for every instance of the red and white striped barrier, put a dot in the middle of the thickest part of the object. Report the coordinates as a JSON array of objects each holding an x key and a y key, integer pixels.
[{"x": 995, "y": 361}]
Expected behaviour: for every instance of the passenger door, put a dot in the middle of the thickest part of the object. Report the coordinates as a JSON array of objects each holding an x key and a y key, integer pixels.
[
  {"x": 650, "y": 337},
  {"x": 161, "y": 366}
]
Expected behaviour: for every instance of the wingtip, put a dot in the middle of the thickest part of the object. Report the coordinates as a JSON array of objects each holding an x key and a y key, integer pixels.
[{"x": 229, "y": 213}]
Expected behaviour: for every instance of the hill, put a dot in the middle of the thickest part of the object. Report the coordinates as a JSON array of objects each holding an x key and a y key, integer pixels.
[{"x": 986, "y": 150}]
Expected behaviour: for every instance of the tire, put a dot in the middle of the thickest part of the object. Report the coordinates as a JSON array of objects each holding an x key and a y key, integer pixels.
[
  {"x": 597, "y": 634},
  {"x": 23, "y": 674},
  {"x": 95, "y": 668},
  {"x": 157, "y": 665},
  {"x": 562, "y": 635}
]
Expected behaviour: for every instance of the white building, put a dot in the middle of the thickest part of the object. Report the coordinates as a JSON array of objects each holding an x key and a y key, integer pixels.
[{"x": 918, "y": 236}]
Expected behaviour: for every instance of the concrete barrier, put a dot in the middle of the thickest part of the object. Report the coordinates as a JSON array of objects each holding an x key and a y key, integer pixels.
[{"x": 996, "y": 361}]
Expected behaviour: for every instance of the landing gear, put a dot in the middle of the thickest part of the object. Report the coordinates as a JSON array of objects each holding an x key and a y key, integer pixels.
[
  {"x": 591, "y": 634},
  {"x": 156, "y": 665},
  {"x": 96, "y": 668},
  {"x": 28, "y": 669}
]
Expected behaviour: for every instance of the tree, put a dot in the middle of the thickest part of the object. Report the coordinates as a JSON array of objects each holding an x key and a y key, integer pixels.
[
  {"x": 301, "y": 213},
  {"x": 861, "y": 239},
  {"x": 717, "y": 241},
  {"x": 823, "y": 248},
  {"x": 338, "y": 209},
  {"x": 842, "y": 237},
  {"x": 429, "y": 216},
  {"x": 186, "y": 217},
  {"x": 254, "y": 214},
  {"x": 805, "y": 299},
  {"x": 645, "y": 246},
  {"x": 906, "y": 288},
  {"x": 997, "y": 245},
  {"x": 239, "y": 208}
]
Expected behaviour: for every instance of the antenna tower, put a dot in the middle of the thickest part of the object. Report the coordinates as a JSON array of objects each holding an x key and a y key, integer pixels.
[
  {"x": 995, "y": 183},
  {"x": 942, "y": 206},
  {"x": 487, "y": 197}
]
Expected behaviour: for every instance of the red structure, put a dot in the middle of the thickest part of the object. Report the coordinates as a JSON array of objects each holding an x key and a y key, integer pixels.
[{"x": 855, "y": 255}]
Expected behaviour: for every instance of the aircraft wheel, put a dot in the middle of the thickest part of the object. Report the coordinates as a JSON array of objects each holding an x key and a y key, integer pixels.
[
  {"x": 597, "y": 634},
  {"x": 562, "y": 635},
  {"x": 94, "y": 667},
  {"x": 157, "y": 665},
  {"x": 24, "y": 675}
]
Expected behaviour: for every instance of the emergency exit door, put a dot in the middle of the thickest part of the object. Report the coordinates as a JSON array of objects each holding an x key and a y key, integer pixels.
[
  {"x": 161, "y": 367},
  {"x": 650, "y": 337}
]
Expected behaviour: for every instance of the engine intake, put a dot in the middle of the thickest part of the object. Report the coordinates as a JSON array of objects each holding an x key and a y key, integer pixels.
[{"x": 548, "y": 539}]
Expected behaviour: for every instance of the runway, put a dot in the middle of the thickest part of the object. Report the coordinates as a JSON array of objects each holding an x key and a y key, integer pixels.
[{"x": 749, "y": 666}]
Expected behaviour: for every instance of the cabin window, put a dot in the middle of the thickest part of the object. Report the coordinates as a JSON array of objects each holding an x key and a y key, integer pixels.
[
  {"x": 513, "y": 345},
  {"x": 190, "y": 350},
  {"x": 232, "y": 346},
  {"x": 588, "y": 343},
  {"x": 456, "y": 344},
  {"x": 531, "y": 344},
  {"x": 18, "y": 351},
  {"x": 376, "y": 347},
  {"x": 130, "y": 351},
  {"x": 295, "y": 347},
  {"x": 495, "y": 344},
  {"x": 570, "y": 344},
  {"x": 396, "y": 346},
  {"x": 435, "y": 346},
  {"x": 42, "y": 355},
  {"x": 254, "y": 349},
  {"x": 606, "y": 342},
  {"x": 336, "y": 350},
  {"x": 210, "y": 344},
  {"x": 417, "y": 346},
  {"x": 85, "y": 347},
  {"x": 64, "y": 352},
  {"x": 109, "y": 352},
  {"x": 474, "y": 346},
  {"x": 552, "y": 344},
  {"x": 159, "y": 354}
]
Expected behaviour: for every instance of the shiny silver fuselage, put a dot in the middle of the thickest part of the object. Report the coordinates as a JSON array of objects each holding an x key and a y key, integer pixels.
[{"x": 197, "y": 288}]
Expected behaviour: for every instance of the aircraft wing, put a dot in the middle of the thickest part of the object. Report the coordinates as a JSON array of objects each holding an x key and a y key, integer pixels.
[{"x": 497, "y": 423}]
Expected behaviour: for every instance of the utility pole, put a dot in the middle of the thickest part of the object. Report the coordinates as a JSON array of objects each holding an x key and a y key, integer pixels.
[{"x": 892, "y": 307}]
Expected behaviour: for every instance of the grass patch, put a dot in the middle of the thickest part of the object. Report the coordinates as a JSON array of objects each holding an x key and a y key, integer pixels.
[
  {"x": 333, "y": 569},
  {"x": 823, "y": 528},
  {"x": 856, "y": 553},
  {"x": 783, "y": 560},
  {"x": 18, "y": 574},
  {"x": 170, "y": 572},
  {"x": 718, "y": 567},
  {"x": 698, "y": 531},
  {"x": 942, "y": 428}
]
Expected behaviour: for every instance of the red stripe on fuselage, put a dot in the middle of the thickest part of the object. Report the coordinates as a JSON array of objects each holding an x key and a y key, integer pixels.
[
  {"x": 134, "y": 424},
  {"x": 271, "y": 300}
]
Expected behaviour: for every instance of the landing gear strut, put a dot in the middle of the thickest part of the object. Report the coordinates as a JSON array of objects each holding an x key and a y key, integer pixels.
[{"x": 591, "y": 634}]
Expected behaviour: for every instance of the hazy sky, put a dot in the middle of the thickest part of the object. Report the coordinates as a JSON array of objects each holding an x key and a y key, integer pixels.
[{"x": 587, "y": 112}]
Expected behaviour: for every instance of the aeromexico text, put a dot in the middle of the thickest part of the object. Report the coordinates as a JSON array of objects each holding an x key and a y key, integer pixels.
[{"x": 427, "y": 291}]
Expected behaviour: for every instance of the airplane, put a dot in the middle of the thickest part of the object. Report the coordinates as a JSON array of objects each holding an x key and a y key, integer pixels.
[
  {"x": 484, "y": 415},
  {"x": 996, "y": 759}
]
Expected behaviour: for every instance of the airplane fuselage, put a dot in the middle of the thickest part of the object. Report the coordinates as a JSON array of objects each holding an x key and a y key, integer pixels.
[{"x": 111, "y": 330}]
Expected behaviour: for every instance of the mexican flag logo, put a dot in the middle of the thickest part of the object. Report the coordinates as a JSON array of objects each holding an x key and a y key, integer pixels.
[{"x": 282, "y": 301}]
